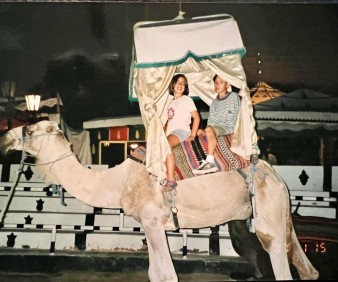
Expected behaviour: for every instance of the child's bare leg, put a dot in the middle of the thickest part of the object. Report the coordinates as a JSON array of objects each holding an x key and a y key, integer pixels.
[
  {"x": 211, "y": 139},
  {"x": 170, "y": 162},
  {"x": 208, "y": 165}
]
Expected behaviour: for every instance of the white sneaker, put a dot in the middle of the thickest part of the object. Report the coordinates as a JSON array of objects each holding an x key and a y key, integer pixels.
[{"x": 205, "y": 167}]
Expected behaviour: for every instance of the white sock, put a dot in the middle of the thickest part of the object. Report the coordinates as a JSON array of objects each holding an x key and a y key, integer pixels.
[{"x": 210, "y": 159}]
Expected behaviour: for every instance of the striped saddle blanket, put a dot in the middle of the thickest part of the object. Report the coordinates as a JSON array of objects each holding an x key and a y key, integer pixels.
[{"x": 189, "y": 154}]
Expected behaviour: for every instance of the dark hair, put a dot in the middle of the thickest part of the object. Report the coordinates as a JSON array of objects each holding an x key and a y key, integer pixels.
[
  {"x": 216, "y": 75},
  {"x": 174, "y": 81}
]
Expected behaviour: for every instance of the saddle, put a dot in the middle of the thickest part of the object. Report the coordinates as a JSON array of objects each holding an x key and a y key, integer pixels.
[{"x": 189, "y": 154}]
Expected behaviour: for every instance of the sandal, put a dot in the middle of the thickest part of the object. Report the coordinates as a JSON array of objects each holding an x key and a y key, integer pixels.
[{"x": 168, "y": 186}]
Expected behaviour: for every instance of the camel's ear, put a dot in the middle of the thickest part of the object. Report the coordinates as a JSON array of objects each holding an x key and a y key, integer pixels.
[{"x": 50, "y": 129}]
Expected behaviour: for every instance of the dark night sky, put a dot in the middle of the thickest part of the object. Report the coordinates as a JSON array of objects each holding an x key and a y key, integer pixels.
[{"x": 83, "y": 50}]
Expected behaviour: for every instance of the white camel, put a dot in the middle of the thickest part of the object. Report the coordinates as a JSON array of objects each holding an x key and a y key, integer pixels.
[{"x": 201, "y": 202}]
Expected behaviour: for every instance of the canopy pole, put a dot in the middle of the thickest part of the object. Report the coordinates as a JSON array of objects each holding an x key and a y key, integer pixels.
[{"x": 180, "y": 15}]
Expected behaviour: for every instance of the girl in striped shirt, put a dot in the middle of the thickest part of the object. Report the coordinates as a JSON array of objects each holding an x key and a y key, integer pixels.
[{"x": 222, "y": 120}]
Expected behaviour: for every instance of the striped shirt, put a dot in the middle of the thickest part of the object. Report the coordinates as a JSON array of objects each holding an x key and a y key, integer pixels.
[{"x": 223, "y": 112}]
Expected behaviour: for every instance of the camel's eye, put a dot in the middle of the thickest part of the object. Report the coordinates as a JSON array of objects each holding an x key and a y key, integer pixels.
[{"x": 31, "y": 129}]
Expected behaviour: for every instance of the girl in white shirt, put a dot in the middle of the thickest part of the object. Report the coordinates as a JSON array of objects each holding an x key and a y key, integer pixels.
[{"x": 180, "y": 113}]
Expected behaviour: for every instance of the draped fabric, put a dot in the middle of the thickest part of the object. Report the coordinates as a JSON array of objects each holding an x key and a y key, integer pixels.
[
  {"x": 151, "y": 85},
  {"x": 80, "y": 140},
  {"x": 150, "y": 78}
]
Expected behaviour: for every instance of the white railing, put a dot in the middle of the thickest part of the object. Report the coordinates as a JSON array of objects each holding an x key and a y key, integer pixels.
[{"x": 37, "y": 217}]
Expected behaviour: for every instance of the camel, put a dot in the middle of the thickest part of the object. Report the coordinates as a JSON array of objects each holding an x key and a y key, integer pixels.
[{"x": 202, "y": 201}]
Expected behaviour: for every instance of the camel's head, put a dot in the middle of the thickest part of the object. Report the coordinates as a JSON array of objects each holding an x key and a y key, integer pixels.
[{"x": 30, "y": 138}]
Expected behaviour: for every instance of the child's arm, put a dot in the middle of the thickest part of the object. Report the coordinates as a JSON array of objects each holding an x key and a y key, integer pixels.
[{"x": 195, "y": 124}]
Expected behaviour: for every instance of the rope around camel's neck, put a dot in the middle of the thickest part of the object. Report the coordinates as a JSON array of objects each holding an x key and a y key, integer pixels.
[{"x": 44, "y": 168}]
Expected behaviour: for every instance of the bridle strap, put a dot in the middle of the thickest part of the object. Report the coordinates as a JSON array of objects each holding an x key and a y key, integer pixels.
[
  {"x": 24, "y": 154},
  {"x": 63, "y": 156},
  {"x": 24, "y": 131}
]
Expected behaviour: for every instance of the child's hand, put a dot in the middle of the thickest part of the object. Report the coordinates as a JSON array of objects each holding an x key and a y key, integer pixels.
[
  {"x": 190, "y": 138},
  {"x": 199, "y": 132}
]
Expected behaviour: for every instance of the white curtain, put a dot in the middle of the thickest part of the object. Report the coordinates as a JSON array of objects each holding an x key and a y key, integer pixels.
[{"x": 150, "y": 86}]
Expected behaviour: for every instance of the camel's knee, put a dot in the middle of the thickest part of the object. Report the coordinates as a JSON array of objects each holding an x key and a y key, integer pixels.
[
  {"x": 152, "y": 222},
  {"x": 153, "y": 217}
]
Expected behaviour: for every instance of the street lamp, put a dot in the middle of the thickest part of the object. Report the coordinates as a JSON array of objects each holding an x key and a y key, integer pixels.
[{"x": 33, "y": 103}]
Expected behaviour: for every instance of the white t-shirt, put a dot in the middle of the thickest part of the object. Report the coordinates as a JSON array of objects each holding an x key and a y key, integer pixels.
[{"x": 179, "y": 114}]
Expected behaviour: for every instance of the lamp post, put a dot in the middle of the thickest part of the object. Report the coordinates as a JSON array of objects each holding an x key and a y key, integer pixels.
[{"x": 33, "y": 104}]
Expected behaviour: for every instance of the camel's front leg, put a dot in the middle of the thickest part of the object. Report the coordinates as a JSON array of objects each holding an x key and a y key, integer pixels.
[{"x": 161, "y": 267}]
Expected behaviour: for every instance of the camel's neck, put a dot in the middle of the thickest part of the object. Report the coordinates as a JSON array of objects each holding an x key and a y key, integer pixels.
[{"x": 99, "y": 188}]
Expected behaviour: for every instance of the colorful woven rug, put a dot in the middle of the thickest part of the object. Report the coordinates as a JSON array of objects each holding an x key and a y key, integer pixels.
[{"x": 189, "y": 154}]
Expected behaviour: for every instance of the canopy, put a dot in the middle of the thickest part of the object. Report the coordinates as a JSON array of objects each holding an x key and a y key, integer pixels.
[
  {"x": 199, "y": 48},
  {"x": 302, "y": 111}
]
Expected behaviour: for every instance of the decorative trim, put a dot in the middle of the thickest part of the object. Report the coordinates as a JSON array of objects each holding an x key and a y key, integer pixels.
[
  {"x": 296, "y": 115},
  {"x": 189, "y": 54}
]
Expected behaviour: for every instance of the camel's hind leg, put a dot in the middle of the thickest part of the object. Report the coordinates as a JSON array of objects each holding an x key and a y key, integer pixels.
[
  {"x": 272, "y": 209},
  {"x": 304, "y": 267},
  {"x": 276, "y": 247},
  {"x": 280, "y": 265},
  {"x": 161, "y": 267},
  {"x": 274, "y": 226},
  {"x": 247, "y": 245}
]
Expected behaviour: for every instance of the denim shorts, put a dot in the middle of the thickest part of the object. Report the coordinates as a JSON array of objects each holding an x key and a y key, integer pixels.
[{"x": 181, "y": 134}]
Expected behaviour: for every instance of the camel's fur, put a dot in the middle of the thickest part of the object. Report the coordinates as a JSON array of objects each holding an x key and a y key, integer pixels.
[{"x": 203, "y": 201}]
